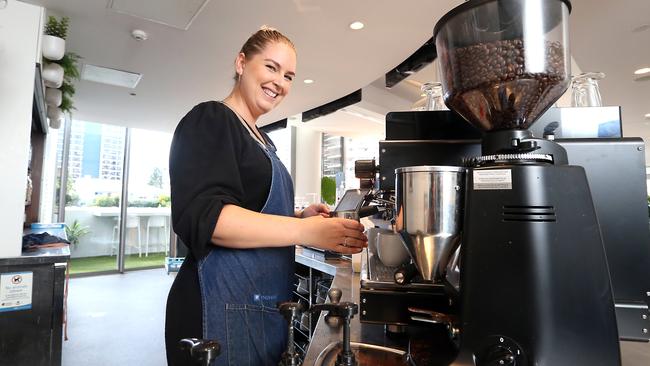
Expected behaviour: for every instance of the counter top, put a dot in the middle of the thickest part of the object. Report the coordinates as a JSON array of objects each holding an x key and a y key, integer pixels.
[
  {"x": 633, "y": 353},
  {"x": 39, "y": 256},
  {"x": 316, "y": 260}
]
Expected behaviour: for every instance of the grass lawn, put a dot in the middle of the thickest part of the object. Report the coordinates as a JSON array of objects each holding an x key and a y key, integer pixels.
[{"x": 109, "y": 263}]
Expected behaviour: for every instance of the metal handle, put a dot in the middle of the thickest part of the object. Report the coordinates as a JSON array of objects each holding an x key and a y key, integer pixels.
[
  {"x": 335, "y": 295},
  {"x": 203, "y": 351},
  {"x": 434, "y": 317},
  {"x": 291, "y": 311},
  {"x": 368, "y": 211}
]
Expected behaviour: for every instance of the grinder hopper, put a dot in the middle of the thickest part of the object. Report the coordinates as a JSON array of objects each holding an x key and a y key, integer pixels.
[{"x": 503, "y": 63}]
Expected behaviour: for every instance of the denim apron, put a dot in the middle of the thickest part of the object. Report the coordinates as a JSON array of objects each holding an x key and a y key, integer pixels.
[{"x": 241, "y": 287}]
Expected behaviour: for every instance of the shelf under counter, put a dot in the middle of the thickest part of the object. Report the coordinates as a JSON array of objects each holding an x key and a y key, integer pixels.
[{"x": 349, "y": 283}]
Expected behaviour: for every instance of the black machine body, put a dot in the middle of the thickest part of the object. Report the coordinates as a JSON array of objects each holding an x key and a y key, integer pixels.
[
  {"x": 535, "y": 286},
  {"x": 548, "y": 246}
]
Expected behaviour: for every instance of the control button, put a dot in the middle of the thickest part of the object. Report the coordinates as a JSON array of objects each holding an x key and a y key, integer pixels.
[
  {"x": 499, "y": 350},
  {"x": 497, "y": 356}
]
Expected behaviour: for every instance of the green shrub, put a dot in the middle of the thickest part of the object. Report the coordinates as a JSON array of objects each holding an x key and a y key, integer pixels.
[
  {"x": 57, "y": 28},
  {"x": 143, "y": 203},
  {"x": 328, "y": 190},
  {"x": 107, "y": 201},
  {"x": 164, "y": 200},
  {"x": 70, "y": 65}
]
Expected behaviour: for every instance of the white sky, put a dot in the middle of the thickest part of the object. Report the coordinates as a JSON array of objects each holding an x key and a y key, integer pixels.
[{"x": 149, "y": 149}]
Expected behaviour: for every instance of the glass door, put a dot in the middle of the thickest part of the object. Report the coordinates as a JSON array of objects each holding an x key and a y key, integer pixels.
[
  {"x": 92, "y": 191},
  {"x": 148, "y": 213}
]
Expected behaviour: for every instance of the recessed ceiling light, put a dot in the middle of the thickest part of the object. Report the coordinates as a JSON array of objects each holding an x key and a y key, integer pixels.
[
  {"x": 308, "y": 81},
  {"x": 642, "y": 71},
  {"x": 356, "y": 25},
  {"x": 647, "y": 115}
]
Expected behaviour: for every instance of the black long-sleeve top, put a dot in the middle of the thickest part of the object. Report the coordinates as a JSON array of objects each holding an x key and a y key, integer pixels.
[{"x": 213, "y": 161}]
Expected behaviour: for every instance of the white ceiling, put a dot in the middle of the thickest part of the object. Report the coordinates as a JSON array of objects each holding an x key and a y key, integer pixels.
[
  {"x": 183, "y": 67},
  {"x": 607, "y": 36}
]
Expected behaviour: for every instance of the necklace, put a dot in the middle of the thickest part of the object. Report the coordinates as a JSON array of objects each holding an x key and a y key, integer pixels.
[{"x": 254, "y": 134}]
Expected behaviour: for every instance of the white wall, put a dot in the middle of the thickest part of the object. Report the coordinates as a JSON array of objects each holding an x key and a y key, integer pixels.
[
  {"x": 20, "y": 29},
  {"x": 382, "y": 101},
  {"x": 565, "y": 99},
  {"x": 307, "y": 161}
]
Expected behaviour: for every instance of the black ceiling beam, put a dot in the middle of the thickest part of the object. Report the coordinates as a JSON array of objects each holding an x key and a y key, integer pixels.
[
  {"x": 419, "y": 59},
  {"x": 325, "y": 109},
  {"x": 277, "y": 125}
]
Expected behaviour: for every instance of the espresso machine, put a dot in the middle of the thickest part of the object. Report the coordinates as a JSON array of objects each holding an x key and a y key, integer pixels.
[{"x": 531, "y": 284}]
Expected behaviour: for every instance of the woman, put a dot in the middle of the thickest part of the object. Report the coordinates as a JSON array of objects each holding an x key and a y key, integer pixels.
[{"x": 232, "y": 204}]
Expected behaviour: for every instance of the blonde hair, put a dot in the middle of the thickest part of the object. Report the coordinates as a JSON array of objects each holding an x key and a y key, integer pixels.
[{"x": 260, "y": 39}]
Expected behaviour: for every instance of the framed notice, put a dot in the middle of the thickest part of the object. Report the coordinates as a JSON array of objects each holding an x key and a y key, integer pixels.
[{"x": 16, "y": 291}]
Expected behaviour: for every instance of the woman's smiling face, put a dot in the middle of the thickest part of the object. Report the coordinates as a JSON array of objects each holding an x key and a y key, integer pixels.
[{"x": 266, "y": 77}]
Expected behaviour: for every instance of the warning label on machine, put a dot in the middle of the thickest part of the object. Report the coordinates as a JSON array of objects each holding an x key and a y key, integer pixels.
[
  {"x": 492, "y": 179},
  {"x": 16, "y": 291}
]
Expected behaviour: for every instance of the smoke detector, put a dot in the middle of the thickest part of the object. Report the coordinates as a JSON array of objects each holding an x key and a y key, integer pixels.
[{"x": 139, "y": 35}]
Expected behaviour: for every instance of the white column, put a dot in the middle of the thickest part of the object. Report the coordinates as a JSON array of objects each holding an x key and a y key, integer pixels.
[
  {"x": 308, "y": 162},
  {"x": 20, "y": 31}
]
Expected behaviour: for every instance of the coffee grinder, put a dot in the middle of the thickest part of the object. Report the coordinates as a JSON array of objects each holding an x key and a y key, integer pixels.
[{"x": 535, "y": 286}]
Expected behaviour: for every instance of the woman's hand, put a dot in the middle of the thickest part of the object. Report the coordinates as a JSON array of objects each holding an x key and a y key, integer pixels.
[
  {"x": 336, "y": 234},
  {"x": 314, "y": 210}
]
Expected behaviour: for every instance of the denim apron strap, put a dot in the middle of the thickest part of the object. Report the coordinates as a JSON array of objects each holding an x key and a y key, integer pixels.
[{"x": 241, "y": 287}]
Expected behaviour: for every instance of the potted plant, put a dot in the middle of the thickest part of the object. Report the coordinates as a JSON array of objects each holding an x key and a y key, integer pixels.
[
  {"x": 68, "y": 64},
  {"x": 56, "y": 116},
  {"x": 53, "y": 75},
  {"x": 53, "y": 97},
  {"x": 65, "y": 69},
  {"x": 68, "y": 91},
  {"x": 75, "y": 232},
  {"x": 53, "y": 43}
]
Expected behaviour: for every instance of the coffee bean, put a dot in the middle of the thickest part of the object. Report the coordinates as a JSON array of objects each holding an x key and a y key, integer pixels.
[{"x": 489, "y": 83}]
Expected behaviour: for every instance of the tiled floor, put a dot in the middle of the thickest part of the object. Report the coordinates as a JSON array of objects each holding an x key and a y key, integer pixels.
[{"x": 117, "y": 320}]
